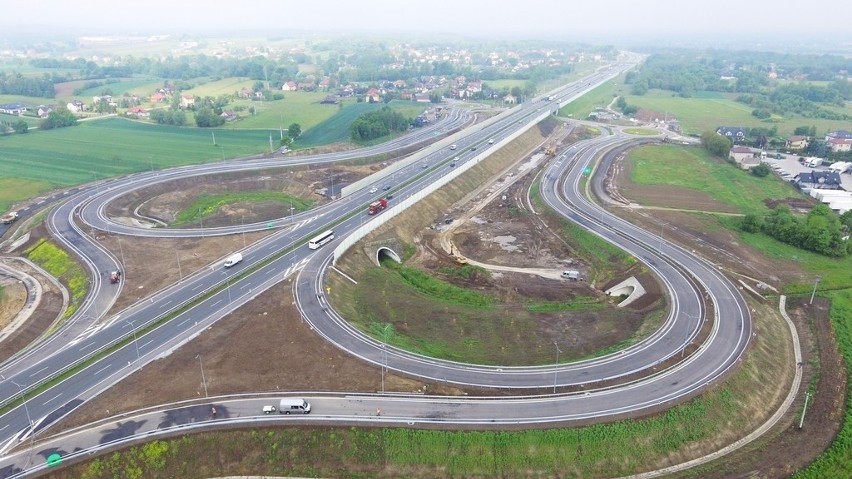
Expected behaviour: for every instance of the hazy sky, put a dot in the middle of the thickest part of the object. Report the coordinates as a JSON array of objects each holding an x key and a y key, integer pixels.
[{"x": 467, "y": 17}]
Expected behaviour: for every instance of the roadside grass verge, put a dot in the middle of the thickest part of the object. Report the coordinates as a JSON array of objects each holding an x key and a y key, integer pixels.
[
  {"x": 600, "y": 97},
  {"x": 834, "y": 273},
  {"x": 836, "y": 460},
  {"x": 641, "y": 131},
  {"x": 581, "y": 303},
  {"x": 695, "y": 169},
  {"x": 683, "y": 432},
  {"x": 207, "y": 205},
  {"x": 13, "y": 190},
  {"x": 60, "y": 265}
]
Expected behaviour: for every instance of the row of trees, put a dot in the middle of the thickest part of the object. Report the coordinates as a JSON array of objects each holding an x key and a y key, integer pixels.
[
  {"x": 58, "y": 118},
  {"x": 169, "y": 117},
  {"x": 821, "y": 231},
  {"x": 19, "y": 126},
  {"x": 17, "y": 84},
  {"x": 716, "y": 144},
  {"x": 377, "y": 124}
]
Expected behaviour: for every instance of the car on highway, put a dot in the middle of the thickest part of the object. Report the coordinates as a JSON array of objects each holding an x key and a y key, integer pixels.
[
  {"x": 386, "y": 187},
  {"x": 373, "y": 189},
  {"x": 453, "y": 147},
  {"x": 491, "y": 141},
  {"x": 424, "y": 166}
]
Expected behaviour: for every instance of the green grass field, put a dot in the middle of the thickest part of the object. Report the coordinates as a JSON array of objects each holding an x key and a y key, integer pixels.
[
  {"x": 114, "y": 146},
  {"x": 303, "y": 108},
  {"x": 138, "y": 86},
  {"x": 31, "y": 121},
  {"x": 13, "y": 190},
  {"x": 207, "y": 205},
  {"x": 598, "y": 98},
  {"x": 710, "y": 110},
  {"x": 336, "y": 128},
  {"x": 225, "y": 86},
  {"x": 696, "y": 169},
  {"x": 641, "y": 131}
]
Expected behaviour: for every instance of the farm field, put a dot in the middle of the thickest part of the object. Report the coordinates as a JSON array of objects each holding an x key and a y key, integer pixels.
[
  {"x": 336, "y": 128},
  {"x": 598, "y": 98},
  {"x": 31, "y": 121},
  {"x": 112, "y": 147},
  {"x": 225, "y": 86},
  {"x": 710, "y": 110}
]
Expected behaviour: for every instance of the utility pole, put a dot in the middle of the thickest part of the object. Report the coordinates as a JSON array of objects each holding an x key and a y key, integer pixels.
[
  {"x": 813, "y": 293},
  {"x": 203, "y": 379},
  {"x": 556, "y": 368},
  {"x": 804, "y": 409},
  {"x": 180, "y": 273},
  {"x": 135, "y": 342}
]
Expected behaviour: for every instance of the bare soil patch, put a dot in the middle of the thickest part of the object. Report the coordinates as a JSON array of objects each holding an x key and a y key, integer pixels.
[{"x": 12, "y": 300}]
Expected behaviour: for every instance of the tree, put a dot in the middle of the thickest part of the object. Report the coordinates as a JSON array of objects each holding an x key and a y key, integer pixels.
[
  {"x": 294, "y": 130},
  {"x": 716, "y": 144},
  {"x": 20, "y": 126},
  {"x": 752, "y": 223},
  {"x": 760, "y": 170}
]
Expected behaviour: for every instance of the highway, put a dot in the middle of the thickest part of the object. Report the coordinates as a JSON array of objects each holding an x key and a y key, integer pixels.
[{"x": 213, "y": 292}]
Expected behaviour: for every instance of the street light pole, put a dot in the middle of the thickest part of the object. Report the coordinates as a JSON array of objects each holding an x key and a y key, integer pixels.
[
  {"x": 24, "y": 400},
  {"x": 203, "y": 379},
  {"x": 813, "y": 293},
  {"x": 556, "y": 368},
  {"x": 135, "y": 342},
  {"x": 180, "y": 273},
  {"x": 660, "y": 248}
]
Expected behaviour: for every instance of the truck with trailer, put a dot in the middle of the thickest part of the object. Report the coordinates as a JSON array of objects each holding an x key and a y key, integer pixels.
[
  {"x": 9, "y": 218},
  {"x": 377, "y": 206},
  {"x": 114, "y": 276}
]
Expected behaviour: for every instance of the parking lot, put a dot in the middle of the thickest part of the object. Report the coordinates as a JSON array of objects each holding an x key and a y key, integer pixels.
[{"x": 790, "y": 165}]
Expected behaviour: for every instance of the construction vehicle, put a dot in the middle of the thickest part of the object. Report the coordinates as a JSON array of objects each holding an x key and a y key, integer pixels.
[
  {"x": 9, "y": 217},
  {"x": 550, "y": 150},
  {"x": 377, "y": 206},
  {"x": 114, "y": 276},
  {"x": 461, "y": 260}
]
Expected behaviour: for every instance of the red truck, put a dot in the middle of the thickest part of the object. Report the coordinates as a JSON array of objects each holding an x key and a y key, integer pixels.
[
  {"x": 115, "y": 276},
  {"x": 377, "y": 206}
]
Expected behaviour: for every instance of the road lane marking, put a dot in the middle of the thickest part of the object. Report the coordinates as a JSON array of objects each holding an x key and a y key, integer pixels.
[
  {"x": 87, "y": 346},
  {"x": 39, "y": 371},
  {"x": 197, "y": 287},
  {"x": 103, "y": 369},
  {"x": 51, "y": 399},
  {"x": 165, "y": 304},
  {"x": 145, "y": 344},
  {"x": 217, "y": 302}
]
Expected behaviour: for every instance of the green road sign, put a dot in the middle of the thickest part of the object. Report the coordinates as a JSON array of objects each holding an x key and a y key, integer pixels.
[
  {"x": 587, "y": 171},
  {"x": 269, "y": 226},
  {"x": 54, "y": 459}
]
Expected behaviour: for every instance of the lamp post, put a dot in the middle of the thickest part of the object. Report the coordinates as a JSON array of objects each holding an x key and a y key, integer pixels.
[
  {"x": 556, "y": 368},
  {"x": 24, "y": 400},
  {"x": 660, "y": 248},
  {"x": 813, "y": 293},
  {"x": 292, "y": 250},
  {"x": 135, "y": 342},
  {"x": 203, "y": 379},
  {"x": 180, "y": 273}
]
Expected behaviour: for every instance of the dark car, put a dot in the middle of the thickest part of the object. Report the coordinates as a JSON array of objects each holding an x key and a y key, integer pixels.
[{"x": 387, "y": 187}]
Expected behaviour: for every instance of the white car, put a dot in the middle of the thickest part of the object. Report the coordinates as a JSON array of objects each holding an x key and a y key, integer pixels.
[
  {"x": 491, "y": 141},
  {"x": 373, "y": 189}
]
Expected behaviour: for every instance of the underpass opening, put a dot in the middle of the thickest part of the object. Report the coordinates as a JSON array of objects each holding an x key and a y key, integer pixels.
[{"x": 385, "y": 252}]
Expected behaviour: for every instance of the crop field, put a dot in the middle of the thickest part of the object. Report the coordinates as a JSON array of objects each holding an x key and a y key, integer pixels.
[
  {"x": 13, "y": 190},
  {"x": 225, "y": 86},
  {"x": 303, "y": 108},
  {"x": 695, "y": 169},
  {"x": 30, "y": 120},
  {"x": 336, "y": 128},
  {"x": 139, "y": 86},
  {"x": 113, "y": 147},
  {"x": 710, "y": 110}
]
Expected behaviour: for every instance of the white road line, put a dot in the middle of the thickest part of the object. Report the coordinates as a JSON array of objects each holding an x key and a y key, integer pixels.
[
  {"x": 51, "y": 399},
  {"x": 183, "y": 322},
  {"x": 40, "y": 370},
  {"x": 197, "y": 287},
  {"x": 103, "y": 369},
  {"x": 145, "y": 344},
  {"x": 87, "y": 346},
  {"x": 217, "y": 302}
]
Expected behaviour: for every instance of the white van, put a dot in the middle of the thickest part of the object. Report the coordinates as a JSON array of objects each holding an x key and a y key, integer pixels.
[
  {"x": 294, "y": 406},
  {"x": 571, "y": 274},
  {"x": 233, "y": 259},
  {"x": 453, "y": 147}
]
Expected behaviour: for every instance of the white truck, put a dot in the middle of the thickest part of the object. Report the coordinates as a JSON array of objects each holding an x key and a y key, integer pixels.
[{"x": 233, "y": 259}]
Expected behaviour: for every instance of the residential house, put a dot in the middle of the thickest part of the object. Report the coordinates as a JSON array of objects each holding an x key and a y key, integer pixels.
[
  {"x": 510, "y": 99},
  {"x": 187, "y": 101},
  {"x": 400, "y": 84},
  {"x": 839, "y": 145},
  {"x": 44, "y": 110},
  {"x": 838, "y": 135},
  {"x": 289, "y": 86},
  {"x": 228, "y": 115},
  {"x": 138, "y": 111},
  {"x": 330, "y": 100},
  {"x": 13, "y": 108},
  {"x": 734, "y": 133},
  {"x": 372, "y": 96},
  {"x": 797, "y": 142},
  {"x": 245, "y": 93},
  {"x": 820, "y": 180},
  {"x": 422, "y": 98},
  {"x": 75, "y": 106},
  {"x": 106, "y": 98},
  {"x": 157, "y": 97},
  {"x": 325, "y": 84},
  {"x": 744, "y": 157}
]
